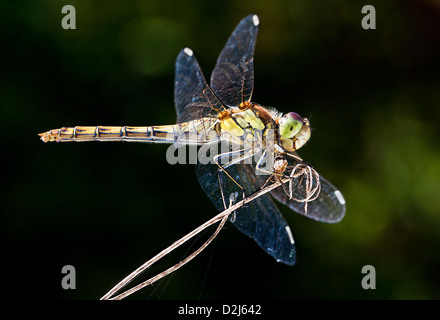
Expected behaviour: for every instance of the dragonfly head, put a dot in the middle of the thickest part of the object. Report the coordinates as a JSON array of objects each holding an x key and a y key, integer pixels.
[{"x": 293, "y": 131}]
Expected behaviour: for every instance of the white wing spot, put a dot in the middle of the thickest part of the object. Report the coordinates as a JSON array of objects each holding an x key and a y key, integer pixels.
[
  {"x": 289, "y": 233},
  {"x": 255, "y": 20},
  {"x": 188, "y": 52},
  {"x": 340, "y": 197}
]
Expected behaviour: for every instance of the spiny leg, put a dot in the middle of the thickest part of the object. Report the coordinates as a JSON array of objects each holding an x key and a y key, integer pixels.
[
  {"x": 238, "y": 156},
  {"x": 258, "y": 167},
  {"x": 276, "y": 173}
]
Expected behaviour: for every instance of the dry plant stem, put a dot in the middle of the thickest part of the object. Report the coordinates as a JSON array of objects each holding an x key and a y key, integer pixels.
[
  {"x": 221, "y": 216},
  {"x": 173, "y": 268}
]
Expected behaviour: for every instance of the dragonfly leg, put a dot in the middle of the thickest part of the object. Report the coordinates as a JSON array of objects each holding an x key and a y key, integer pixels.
[
  {"x": 259, "y": 166},
  {"x": 272, "y": 173},
  {"x": 238, "y": 156},
  {"x": 298, "y": 158},
  {"x": 221, "y": 188}
]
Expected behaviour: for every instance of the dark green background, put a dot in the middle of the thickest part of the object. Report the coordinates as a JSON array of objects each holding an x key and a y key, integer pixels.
[{"x": 373, "y": 97}]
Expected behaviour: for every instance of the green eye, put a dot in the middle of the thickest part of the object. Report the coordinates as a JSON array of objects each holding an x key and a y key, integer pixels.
[{"x": 290, "y": 125}]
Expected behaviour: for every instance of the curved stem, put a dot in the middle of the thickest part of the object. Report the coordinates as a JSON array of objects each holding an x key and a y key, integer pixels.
[{"x": 221, "y": 216}]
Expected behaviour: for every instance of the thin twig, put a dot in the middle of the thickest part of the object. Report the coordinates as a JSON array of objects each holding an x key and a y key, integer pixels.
[
  {"x": 173, "y": 268},
  {"x": 221, "y": 216}
]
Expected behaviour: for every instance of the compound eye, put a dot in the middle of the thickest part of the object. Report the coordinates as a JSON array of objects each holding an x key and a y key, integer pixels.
[{"x": 290, "y": 124}]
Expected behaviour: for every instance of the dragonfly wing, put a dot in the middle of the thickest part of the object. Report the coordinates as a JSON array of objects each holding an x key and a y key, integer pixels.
[
  {"x": 260, "y": 219},
  {"x": 233, "y": 76},
  {"x": 193, "y": 97},
  {"x": 329, "y": 206}
]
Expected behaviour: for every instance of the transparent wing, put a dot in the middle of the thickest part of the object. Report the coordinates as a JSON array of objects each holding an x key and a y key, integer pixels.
[
  {"x": 233, "y": 76},
  {"x": 260, "y": 219},
  {"x": 329, "y": 206},
  {"x": 193, "y": 98}
]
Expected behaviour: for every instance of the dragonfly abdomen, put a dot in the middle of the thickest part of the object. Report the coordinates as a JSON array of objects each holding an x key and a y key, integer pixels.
[
  {"x": 193, "y": 132},
  {"x": 97, "y": 133}
]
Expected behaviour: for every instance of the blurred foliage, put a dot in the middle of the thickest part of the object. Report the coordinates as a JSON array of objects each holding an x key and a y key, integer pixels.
[{"x": 372, "y": 96}]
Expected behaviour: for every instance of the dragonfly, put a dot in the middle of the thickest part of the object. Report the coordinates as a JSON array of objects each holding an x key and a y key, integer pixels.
[{"x": 257, "y": 145}]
